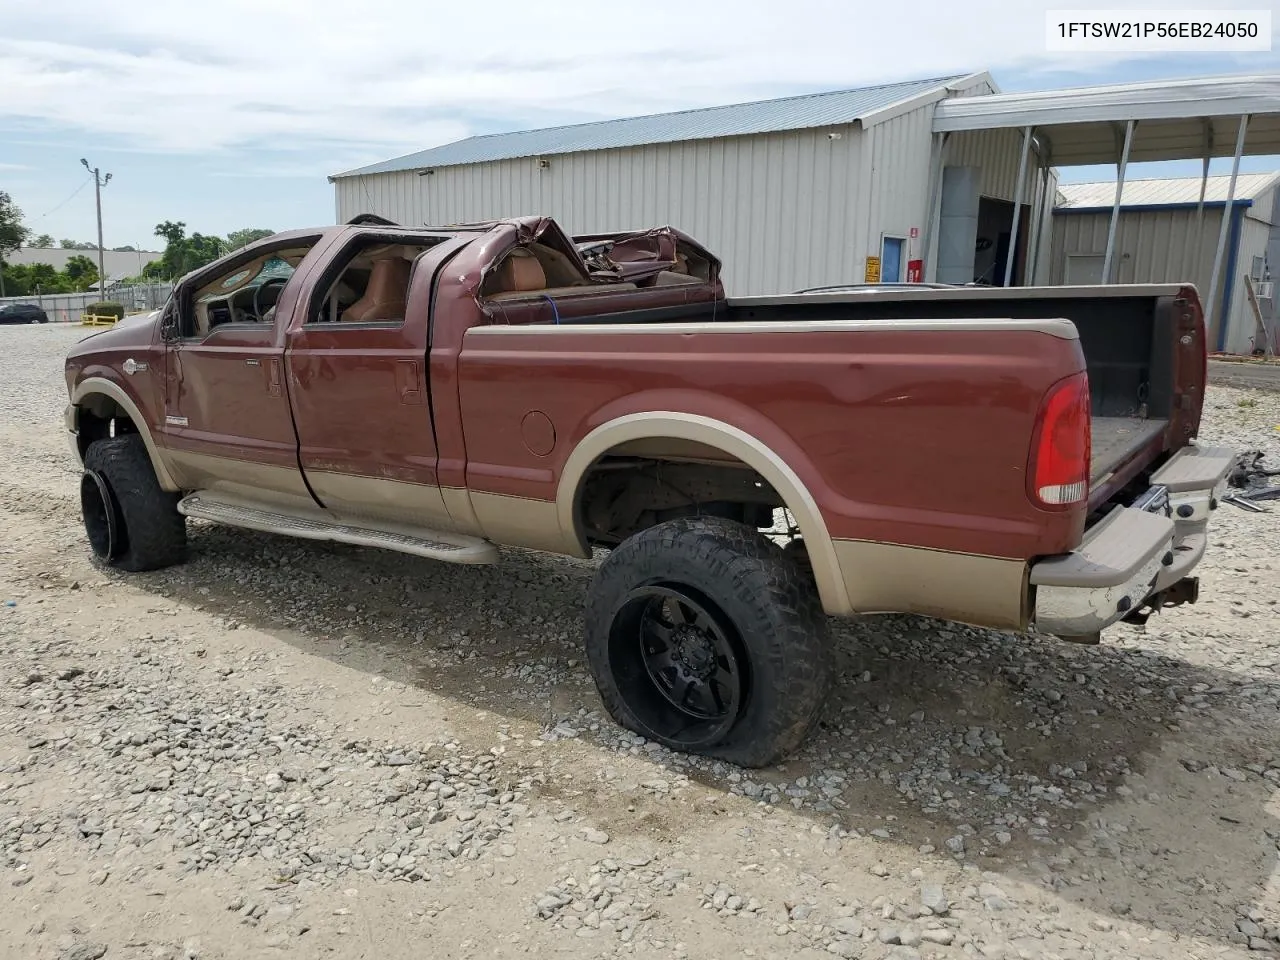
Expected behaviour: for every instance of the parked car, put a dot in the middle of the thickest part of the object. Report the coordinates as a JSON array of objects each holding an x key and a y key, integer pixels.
[
  {"x": 22, "y": 313},
  {"x": 1003, "y": 457}
]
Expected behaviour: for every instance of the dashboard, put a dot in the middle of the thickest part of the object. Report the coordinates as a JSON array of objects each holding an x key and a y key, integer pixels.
[{"x": 238, "y": 307}]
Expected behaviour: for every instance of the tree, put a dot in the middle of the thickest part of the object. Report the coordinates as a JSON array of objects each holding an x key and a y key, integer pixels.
[
  {"x": 32, "y": 278},
  {"x": 42, "y": 242},
  {"x": 76, "y": 245},
  {"x": 242, "y": 238},
  {"x": 182, "y": 254},
  {"x": 13, "y": 233},
  {"x": 172, "y": 232},
  {"x": 81, "y": 271},
  {"x": 127, "y": 248}
]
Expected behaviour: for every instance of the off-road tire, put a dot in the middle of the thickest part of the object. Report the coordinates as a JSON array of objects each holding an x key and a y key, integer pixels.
[
  {"x": 154, "y": 532},
  {"x": 766, "y": 598}
]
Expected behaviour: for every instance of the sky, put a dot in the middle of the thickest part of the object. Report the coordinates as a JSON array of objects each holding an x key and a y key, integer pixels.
[{"x": 233, "y": 114}]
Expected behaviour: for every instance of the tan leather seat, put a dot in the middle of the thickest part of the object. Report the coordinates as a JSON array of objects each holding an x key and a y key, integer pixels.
[
  {"x": 520, "y": 273},
  {"x": 385, "y": 296},
  {"x": 521, "y": 276}
]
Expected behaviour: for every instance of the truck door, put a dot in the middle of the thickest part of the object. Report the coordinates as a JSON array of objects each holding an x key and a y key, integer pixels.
[
  {"x": 356, "y": 366},
  {"x": 227, "y": 424}
]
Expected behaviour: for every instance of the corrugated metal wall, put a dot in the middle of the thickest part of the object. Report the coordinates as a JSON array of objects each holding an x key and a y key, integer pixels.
[
  {"x": 997, "y": 152},
  {"x": 1164, "y": 246},
  {"x": 1255, "y": 233},
  {"x": 783, "y": 211},
  {"x": 894, "y": 195}
]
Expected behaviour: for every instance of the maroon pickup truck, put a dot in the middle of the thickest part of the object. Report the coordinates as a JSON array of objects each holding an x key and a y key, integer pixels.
[{"x": 997, "y": 457}]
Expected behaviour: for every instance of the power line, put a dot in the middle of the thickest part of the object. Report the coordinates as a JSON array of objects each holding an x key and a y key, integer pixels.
[{"x": 68, "y": 200}]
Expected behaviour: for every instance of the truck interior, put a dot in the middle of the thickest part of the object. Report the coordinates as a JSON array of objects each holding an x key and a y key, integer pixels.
[
  {"x": 371, "y": 285},
  {"x": 552, "y": 279},
  {"x": 245, "y": 293}
]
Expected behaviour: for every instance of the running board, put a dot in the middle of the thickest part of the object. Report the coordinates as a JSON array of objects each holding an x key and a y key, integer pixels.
[{"x": 450, "y": 547}]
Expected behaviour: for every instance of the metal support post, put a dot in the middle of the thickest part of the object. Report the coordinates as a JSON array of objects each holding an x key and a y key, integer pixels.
[
  {"x": 1211, "y": 307},
  {"x": 1115, "y": 207},
  {"x": 1012, "y": 255},
  {"x": 935, "y": 205}
]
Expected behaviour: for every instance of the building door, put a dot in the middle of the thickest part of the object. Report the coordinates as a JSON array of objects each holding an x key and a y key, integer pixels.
[{"x": 891, "y": 259}]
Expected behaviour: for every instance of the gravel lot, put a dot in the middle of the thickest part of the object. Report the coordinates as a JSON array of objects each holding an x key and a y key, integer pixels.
[
  {"x": 1249, "y": 374},
  {"x": 305, "y": 750}
]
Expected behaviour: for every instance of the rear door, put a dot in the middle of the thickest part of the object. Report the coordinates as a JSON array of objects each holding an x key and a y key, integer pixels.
[{"x": 359, "y": 389}]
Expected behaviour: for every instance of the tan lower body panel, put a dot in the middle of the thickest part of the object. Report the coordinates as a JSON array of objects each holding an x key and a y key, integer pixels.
[
  {"x": 351, "y": 496},
  {"x": 247, "y": 479},
  {"x": 457, "y": 500},
  {"x": 890, "y": 578},
  {"x": 523, "y": 523}
]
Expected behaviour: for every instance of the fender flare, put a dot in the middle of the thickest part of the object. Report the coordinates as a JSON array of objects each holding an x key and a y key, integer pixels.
[
  {"x": 114, "y": 391},
  {"x": 733, "y": 441}
]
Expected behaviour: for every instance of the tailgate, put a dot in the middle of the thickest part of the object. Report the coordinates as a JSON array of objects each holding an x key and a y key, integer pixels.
[
  {"x": 1135, "y": 552},
  {"x": 1146, "y": 367}
]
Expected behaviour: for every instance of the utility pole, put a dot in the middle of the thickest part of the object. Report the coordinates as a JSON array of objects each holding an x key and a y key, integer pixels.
[{"x": 98, "y": 183}]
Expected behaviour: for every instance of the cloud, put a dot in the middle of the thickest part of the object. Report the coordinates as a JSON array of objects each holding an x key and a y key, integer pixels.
[
  {"x": 333, "y": 80},
  {"x": 15, "y": 166}
]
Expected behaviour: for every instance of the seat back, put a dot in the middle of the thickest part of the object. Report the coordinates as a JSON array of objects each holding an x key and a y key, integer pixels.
[
  {"x": 519, "y": 273},
  {"x": 385, "y": 296}
]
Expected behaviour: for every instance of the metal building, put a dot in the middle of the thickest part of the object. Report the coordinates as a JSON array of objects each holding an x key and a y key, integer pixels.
[
  {"x": 1163, "y": 234},
  {"x": 1197, "y": 118},
  {"x": 805, "y": 191}
]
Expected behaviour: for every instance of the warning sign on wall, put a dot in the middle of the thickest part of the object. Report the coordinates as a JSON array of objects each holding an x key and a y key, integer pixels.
[
  {"x": 873, "y": 270},
  {"x": 915, "y": 271},
  {"x": 915, "y": 232}
]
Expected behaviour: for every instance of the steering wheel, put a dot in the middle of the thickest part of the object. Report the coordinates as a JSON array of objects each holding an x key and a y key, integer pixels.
[{"x": 257, "y": 306}]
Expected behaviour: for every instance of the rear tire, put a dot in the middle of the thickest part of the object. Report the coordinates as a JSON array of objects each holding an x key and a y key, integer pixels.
[
  {"x": 703, "y": 636},
  {"x": 131, "y": 523}
]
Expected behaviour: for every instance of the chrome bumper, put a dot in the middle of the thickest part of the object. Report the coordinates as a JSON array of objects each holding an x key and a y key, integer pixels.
[{"x": 1133, "y": 552}]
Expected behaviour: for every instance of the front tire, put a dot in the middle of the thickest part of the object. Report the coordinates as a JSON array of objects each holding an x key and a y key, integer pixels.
[
  {"x": 131, "y": 523},
  {"x": 703, "y": 636}
]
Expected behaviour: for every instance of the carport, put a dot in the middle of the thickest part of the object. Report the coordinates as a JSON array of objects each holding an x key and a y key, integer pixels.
[{"x": 1137, "y": 122}]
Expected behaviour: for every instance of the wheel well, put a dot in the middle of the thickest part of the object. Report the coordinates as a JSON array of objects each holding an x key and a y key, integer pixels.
[
  {"x": 99, "y": 417},
  {"x": 641, "y": 483}
]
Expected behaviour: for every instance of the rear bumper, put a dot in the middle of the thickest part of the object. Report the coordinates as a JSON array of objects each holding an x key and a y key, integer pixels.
[{"x": 1134, "y": 552}]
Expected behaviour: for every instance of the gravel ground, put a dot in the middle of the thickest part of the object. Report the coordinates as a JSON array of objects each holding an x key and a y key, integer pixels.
[
  {"x": 1247, "y": 375},
  {"x": 302, "y": 750}
]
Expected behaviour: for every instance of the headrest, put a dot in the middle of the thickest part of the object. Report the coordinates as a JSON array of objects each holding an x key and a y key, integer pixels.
[{"x": 521, "y": 272}]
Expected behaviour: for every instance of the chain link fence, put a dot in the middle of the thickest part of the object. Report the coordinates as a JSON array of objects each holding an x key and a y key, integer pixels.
[{"x": 69, "y": 307}]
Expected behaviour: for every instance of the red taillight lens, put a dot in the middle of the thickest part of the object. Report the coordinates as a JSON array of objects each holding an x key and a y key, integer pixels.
[{"x": 1060, "y": 450}]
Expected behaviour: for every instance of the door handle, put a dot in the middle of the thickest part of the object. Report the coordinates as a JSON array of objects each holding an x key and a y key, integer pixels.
[
  {"x": 253, "y": 362},
  {"x": 408, "y": 382}
]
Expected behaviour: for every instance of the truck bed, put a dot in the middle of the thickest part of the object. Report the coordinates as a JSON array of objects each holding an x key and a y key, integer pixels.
[
  {"x": 1129, "y": 336},
  {"x": 1116, "y": 439}
]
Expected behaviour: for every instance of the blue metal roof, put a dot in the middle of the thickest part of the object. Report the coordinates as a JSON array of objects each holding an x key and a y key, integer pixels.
[{"x": 765, "y": 116}]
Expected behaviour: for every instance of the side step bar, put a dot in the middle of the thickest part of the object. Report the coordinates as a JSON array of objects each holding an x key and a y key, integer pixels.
[{"x": 450, "y": 547}]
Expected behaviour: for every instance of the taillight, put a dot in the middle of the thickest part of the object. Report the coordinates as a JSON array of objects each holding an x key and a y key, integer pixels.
[{"x": 1060, "y": 448}]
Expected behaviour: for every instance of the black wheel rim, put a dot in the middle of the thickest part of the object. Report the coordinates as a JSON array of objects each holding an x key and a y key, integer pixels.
[
  {"x": 101, "y": 517},
  {"x": 679, "y": 664}
]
